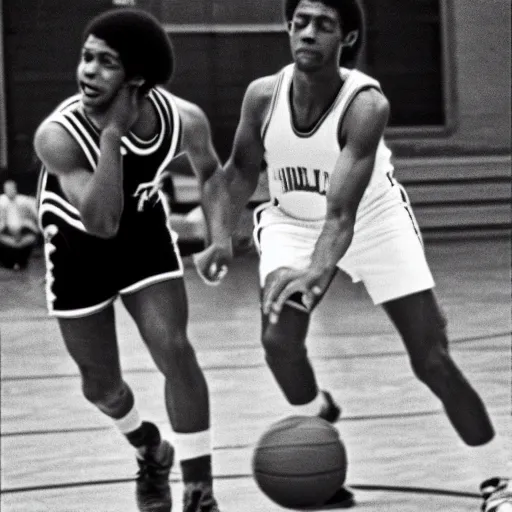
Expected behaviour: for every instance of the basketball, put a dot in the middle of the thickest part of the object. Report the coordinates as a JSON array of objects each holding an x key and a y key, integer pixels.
[{"x": 300, "y": 462}]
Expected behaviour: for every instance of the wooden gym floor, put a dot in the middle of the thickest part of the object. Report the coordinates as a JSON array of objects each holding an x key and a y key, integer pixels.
[{"x": 58, "y": 454}]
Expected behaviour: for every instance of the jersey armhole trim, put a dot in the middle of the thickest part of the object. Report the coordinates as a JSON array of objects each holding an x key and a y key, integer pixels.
[
  {"x": 273, "y": 103},
  {"x": 349, "y": 102}
]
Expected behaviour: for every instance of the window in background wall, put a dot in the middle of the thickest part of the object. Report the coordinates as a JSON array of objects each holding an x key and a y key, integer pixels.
[
  {"x": 404, "y": 51},
  {"x": 222, "y": 12},
  {"x": 3, "y": 101}
]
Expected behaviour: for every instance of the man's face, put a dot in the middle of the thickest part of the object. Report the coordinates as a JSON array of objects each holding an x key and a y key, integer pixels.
[
  {"x": 315, "y": 35},
  {"x": 10, "y": 189},
  {"x": 100, "y": 73}
]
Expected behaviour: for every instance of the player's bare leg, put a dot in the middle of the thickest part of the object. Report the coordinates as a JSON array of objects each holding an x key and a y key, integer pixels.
[
  {"x": 92, "y": 343},
  {"x": 161, "y": 314},
  {"x": 286, "y": 355},
  {"x": 423, "y": 329},
  {"x": 422, "y": 326}
]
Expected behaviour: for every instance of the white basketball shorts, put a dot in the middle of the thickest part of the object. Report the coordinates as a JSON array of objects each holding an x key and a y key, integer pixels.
[{"x": 386, "y": 252}]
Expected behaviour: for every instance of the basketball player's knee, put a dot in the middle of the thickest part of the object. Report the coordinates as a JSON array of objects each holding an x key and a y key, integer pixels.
[
  {"x": 179, "y": 350},
  {"x": 167, "y": 341},
  {"x": 272, "y": 343},
  {"x": 439, "y": 332},
  {"x": 435, "y": 369},
  {"x": 155, "y": 331},
  {"x": 162, "y": 333}
]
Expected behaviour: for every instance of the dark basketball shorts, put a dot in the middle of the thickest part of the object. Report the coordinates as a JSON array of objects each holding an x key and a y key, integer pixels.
[{"x": 85, "y": 274}]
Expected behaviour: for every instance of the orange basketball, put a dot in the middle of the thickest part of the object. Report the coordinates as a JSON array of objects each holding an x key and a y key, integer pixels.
[{"x": 300, "y": 462}]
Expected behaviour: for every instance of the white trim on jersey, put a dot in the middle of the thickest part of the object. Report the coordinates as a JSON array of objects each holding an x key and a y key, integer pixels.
[
  {"x": 349, "y": 98},
  {"x": 176, "y": 126},
  {"x": 87, "y": 136},
  {"x": 300, "y": 163},
  {"x": 142, "y": 141},
  {"x": 45, "y": 207},
  {"x": 156, "y": 144},
  {"x": 170, "y": 155},
  {"x": 273, "y": 101},
  {"x": 41, "y": 187},
  {"x": 52, "y": 196},
  {"x": 59, "y": 117},
  {"x": 176, "y": 130},
  {"x": 338, "y": 102}
]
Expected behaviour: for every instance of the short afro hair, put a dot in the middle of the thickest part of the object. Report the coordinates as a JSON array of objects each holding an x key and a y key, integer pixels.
[
  {"x": 352, "y": 18},
  {"x": 143, "y": 45}
]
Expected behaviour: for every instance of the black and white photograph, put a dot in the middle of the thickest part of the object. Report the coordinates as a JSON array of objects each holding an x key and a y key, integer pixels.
[{"x": 255, "y": 255}]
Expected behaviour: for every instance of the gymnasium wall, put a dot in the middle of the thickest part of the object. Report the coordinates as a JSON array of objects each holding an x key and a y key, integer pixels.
[
  {"x": 42, "y": 38},
  {"x": 483, "y": 68},
  {"x": 479, "y": 60}
]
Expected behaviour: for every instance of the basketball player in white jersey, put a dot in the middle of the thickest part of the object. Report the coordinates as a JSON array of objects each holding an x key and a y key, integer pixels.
[
  {"x": 318, "y": 129},
  {"x": 104, "y": 213}
]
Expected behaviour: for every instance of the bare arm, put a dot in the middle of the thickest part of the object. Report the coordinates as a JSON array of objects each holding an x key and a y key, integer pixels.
[
  {"x": 363, "y": 128},
  {"x": 97, "y": 195},
  {"x": 244, "y": 164},
  {"x": 197, "y": 143},
  {"x": 361, "y": 133},
  {"x": 235, "y": 183}
]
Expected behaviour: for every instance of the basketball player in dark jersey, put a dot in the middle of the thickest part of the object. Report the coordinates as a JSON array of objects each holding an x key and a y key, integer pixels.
[
  {"x": 335, "y": 204},
  {"x": 106, "y": 155}
]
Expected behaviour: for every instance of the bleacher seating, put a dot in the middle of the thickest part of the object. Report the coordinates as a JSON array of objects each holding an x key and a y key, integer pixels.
[{"x": 456, "y": 196}]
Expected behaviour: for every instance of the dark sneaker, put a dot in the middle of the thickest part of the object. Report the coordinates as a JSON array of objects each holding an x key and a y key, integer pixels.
[
  {"x": 331, "y": 411},
  {"x": 497, "y": 495},
  {"x": 198, "y": 497},
  {"x": 152, "y": 482},
  {"x": 343, "y": 498}
]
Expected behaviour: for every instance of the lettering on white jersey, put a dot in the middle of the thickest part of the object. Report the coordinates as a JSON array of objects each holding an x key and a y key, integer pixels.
[
  {"x": 302, "y": 179},
  {"x": 300, "y": 164}
]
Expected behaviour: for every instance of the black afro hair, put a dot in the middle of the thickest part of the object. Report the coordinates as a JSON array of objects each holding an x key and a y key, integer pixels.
[{"x": 143, "y": 45}]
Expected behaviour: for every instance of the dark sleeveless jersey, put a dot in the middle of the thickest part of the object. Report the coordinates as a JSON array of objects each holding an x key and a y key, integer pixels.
[
  {"x": 85, "y": 273},
  {"x": 142, "y": 161}
]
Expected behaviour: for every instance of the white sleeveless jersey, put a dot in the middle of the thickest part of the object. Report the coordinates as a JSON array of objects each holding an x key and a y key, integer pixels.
[{"x": 299, "y": 164}]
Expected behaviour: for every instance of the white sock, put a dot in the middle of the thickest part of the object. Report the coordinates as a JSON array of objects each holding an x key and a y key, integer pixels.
[
  {"x": 192, "y": 445},
  {"x": 312, "y": 408},
  {"x": 129, "y": 422}
]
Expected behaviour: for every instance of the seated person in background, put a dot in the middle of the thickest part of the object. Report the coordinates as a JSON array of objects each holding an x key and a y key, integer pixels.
[{"x": 19, "y": 231}]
